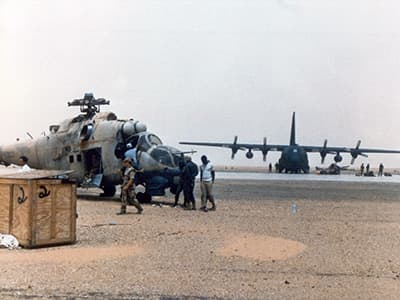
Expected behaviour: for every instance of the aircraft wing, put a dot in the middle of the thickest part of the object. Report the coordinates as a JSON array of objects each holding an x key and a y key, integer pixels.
[
  {"x": 256, "y": 147},
  {"x": 264, "y": 148},
  {"x": 354, "y": 152},
  {"x": 271, "y": 147},
  {"x": 223, "y": 145},
  {"x": 346, "y": 150}
]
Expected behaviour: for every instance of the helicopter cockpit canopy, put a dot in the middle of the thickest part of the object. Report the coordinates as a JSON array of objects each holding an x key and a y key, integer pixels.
[
  {"x": 146, "y": 141},
  {"x": 163, "y": 155}
]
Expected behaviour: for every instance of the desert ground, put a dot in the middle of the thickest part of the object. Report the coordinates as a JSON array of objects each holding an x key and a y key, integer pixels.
[{"x": 342, "y": 243}]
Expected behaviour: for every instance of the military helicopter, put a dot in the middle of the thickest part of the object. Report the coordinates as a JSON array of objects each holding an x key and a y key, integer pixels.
[{"x": 93, "y": 145}]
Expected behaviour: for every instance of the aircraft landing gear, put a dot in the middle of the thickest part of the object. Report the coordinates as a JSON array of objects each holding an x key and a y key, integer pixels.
[
  {"x": 108, "y": 190},
  {"x": 143, "y": 197}
]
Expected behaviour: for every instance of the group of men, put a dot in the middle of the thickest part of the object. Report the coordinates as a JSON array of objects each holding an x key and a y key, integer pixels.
[
  {"x": 368, "y": 172},
  {"x": 188, "y": 171}
]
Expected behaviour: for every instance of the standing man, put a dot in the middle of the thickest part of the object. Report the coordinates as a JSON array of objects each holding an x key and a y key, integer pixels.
[
  {"x": 189, "y": 173},
  {"x": 179, "y": 187},
  {"x": 128, "y": 188},
  {"x": 367, "y": 170},
  {"x": 380, "y": 172},
  {"x": 207, "y": 177},
  {"x": 362, "y": 169}
]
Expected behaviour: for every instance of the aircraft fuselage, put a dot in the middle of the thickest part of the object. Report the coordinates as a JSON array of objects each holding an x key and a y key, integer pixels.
[
  {"x": 95, "y": 145},
  {"x": 294, "y": 159}
]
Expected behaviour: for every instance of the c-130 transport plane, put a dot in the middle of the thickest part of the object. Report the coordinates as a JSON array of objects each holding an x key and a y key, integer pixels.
[{"x": 294, "y": 157}]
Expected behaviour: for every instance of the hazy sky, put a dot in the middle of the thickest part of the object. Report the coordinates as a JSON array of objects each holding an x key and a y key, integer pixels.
[{"x": 209, "y": 70}]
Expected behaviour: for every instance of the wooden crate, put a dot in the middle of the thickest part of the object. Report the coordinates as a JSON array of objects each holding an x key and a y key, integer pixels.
[{"x": 38, "y": 209}]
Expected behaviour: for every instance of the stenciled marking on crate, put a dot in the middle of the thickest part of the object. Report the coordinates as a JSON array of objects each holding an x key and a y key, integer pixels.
[
  {"x": 45, "y": 192},
  {"x": 23, "y": 198}
]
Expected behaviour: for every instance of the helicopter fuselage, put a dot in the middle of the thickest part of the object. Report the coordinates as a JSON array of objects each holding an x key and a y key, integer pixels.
[{"x": 94, "y": 146}]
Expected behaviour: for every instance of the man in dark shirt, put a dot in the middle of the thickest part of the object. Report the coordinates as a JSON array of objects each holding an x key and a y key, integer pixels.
[
  {"x": 189, "y": 174},
  {"x": 179, "y": 187}
]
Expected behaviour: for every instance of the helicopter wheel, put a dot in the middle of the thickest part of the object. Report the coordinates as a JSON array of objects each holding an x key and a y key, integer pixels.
[
  {"x": 143, "y": 197},
  {"x": 108, "y": 191}
]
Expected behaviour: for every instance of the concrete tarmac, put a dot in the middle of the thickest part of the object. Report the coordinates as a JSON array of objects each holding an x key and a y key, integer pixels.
[{"x": 342, "y": 242}]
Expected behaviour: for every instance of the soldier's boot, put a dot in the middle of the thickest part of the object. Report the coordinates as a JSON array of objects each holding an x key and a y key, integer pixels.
[
  {"x": 122, "y": 211},
  {"x": 193, "y": 205},
  {"x": 139, "y": 208},
  {"x": 213, "y": 207}
]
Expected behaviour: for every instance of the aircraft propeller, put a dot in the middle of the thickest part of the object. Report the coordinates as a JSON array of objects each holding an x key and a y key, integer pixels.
[
  {"x": 355, "y": 152},
  {"x": 324, "y": 152},
  {"x": 264, "y": 149},
  {"x": 234, "y": 147}
]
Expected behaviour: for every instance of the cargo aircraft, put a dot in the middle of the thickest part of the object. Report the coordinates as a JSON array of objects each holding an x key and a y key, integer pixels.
[
  {"x": 93, "y": 145},
  {"x": 294, "y": 157}
]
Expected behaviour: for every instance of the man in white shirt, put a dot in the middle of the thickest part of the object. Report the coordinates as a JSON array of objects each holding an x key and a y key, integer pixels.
[
  {"x": 23, "y": 161},
  {"x": 207, "y": 177}
]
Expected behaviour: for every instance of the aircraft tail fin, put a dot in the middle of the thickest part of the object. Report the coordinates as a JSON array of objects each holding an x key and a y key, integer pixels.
[{"x": 293, "y": 130}]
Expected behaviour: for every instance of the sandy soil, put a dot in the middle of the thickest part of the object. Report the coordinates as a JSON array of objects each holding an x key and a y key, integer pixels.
[
  {"x": 263, "y": 248},
  {"x": 342, "y": 243}
]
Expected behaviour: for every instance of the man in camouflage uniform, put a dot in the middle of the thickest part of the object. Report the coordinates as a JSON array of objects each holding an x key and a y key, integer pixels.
[{"x": 128, "y": 188}]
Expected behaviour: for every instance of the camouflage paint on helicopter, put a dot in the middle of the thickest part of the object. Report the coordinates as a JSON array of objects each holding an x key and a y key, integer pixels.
[{"x": 93, "y": 144}]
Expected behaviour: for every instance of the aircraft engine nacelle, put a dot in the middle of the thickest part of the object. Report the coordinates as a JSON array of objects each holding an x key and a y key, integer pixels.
[
  {"x": 133, "y": 127},
  {"x": 249, "y": 154},
  {"x": 338, "y": 158}
]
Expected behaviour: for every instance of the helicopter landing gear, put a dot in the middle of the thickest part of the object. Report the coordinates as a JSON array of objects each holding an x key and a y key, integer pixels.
[{"x": 108, "y": 190}]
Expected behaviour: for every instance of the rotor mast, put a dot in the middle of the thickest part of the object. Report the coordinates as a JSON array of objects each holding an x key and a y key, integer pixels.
[{"x": 89, "y": 104}]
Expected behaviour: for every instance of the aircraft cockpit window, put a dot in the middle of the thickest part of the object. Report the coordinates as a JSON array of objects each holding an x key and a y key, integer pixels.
[
  {"x": 147, "y": 141},
  {"x": 54, "y": 128},
  {"x": 143, "y": 144},
  {"x": 162, "y": 156},
  {"x": 154, "y": 140},
  {"x": 177, "y": 158}
]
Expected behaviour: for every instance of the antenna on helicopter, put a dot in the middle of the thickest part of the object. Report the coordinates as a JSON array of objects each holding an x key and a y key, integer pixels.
[{"x": 89, "y": 104}]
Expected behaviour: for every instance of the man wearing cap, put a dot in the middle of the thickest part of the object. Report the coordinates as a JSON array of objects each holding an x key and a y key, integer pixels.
[{"x": 128, "y": 188}]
